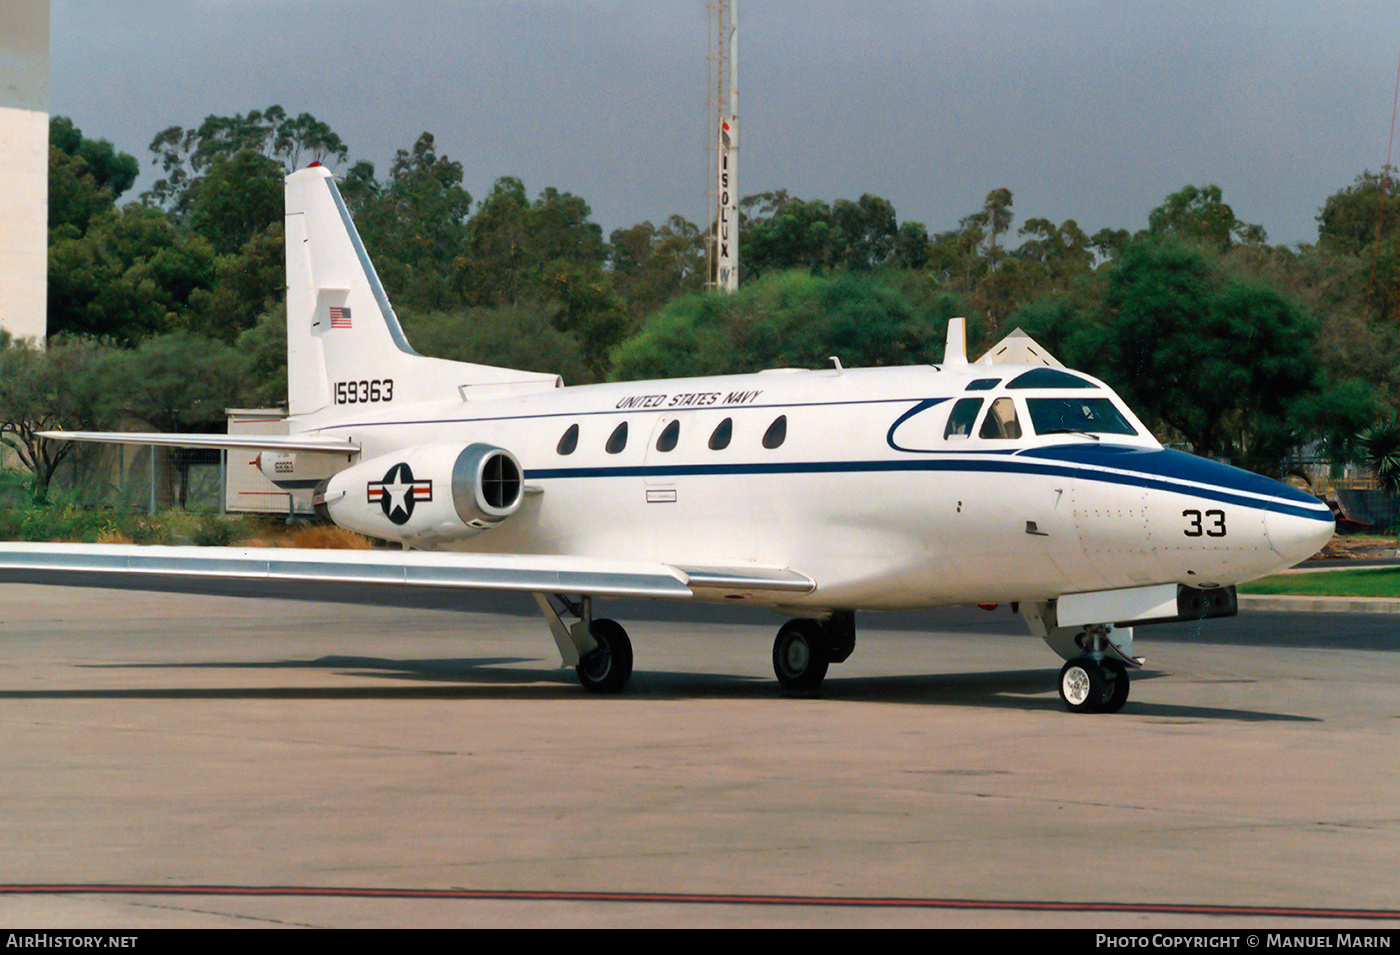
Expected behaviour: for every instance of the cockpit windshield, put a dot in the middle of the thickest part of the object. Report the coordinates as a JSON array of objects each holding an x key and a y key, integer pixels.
[{"x": 1079, "y": 414}]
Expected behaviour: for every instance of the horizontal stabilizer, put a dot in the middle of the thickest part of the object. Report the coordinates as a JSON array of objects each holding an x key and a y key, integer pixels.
[{"x": 264, "y": 442}]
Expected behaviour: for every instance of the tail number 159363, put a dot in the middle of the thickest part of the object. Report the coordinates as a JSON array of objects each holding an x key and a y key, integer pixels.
[{"x": 364, "y": 392}]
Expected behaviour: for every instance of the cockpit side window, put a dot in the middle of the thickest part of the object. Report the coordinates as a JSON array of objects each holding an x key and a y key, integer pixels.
[
  {"x": 1001, "y": 421},
  {"x": 962, "y": 417}
]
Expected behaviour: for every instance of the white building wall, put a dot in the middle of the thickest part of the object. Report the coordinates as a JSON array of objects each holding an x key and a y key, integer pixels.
[{"x": 24, "y": 167}]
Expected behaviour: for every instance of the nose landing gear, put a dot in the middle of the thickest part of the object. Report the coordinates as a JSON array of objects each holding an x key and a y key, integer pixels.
[{"x": 1093, "y": 686}]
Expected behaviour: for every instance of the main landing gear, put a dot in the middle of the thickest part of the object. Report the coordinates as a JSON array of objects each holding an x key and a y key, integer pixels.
[
  {"x": 608, "y": 666},
  {"x": 804, "y": 649},
  {"x": 597, "y": 648},
  {"x": 1093, "y": 686}
]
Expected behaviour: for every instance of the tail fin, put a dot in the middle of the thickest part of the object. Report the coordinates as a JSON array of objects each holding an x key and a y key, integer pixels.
[{"x": 344, "y": 343}]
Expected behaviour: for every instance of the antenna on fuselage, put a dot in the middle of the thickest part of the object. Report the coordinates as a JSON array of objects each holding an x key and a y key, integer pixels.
[{"x": 955, "y": 352}]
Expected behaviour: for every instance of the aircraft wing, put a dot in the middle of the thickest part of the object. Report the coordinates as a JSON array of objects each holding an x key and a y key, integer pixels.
[
  {"x": 264, "y": 442},
  {"x": 155, "y": 567}
]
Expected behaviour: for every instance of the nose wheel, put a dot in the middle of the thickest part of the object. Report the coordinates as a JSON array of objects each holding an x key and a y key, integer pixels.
[{"x": 1093, "y": 686}]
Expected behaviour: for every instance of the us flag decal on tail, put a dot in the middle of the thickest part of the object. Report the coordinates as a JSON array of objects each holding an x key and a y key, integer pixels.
[{"x": 340, "y": 317}]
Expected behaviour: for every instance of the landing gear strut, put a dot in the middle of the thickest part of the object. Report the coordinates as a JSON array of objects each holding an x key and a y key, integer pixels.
[{"x": 597, "y": 648}]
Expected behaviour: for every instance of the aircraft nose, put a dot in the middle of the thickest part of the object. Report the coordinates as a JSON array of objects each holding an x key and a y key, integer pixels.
[{"x": 1296, "y": 532}]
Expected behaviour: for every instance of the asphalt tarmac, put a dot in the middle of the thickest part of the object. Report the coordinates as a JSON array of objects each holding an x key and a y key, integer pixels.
[{"x": 213, "y": 761}]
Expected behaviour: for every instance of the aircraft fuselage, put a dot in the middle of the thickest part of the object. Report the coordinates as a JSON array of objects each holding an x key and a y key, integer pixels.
[{"x": 891, "y": 488}]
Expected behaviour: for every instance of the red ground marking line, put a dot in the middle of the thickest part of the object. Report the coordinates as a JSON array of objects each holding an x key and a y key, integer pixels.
[{"x": 1024, "y": 905}]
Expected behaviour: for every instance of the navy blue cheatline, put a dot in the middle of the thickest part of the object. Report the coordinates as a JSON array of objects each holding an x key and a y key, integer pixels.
[{"x": 1160, "y": 469}]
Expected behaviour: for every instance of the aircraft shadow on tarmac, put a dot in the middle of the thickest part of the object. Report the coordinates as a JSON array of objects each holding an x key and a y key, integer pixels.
[{"x": 502, "y": 677}]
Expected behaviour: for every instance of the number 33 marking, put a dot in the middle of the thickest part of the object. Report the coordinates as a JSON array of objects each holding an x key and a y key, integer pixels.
[{"x": 1196, "y": 527}]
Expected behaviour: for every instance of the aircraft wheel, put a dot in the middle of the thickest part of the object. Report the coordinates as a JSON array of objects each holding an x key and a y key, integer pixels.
[
  {"x": 608, "y": 666},
  {"x": 1116, "y": 693},
  {"x": 1082, "y": 686},
  {"x": 801, "y": 654}
]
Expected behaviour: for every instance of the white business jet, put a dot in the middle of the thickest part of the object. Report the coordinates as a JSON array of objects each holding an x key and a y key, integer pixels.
[{"x": 817, "y": 492}]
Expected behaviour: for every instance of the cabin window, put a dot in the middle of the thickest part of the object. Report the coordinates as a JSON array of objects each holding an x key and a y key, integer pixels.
[
  {"x": 568, "y": 442},
  {"x": 982, "y": 384},
  {"x": 666, "y": 440},
  {"x": 720, "y": 437},
  {"x": 960, "y": 420},
  {"x": 776, "y": 433},
  {"x": 1049, "y": 378},
  {"x": 1087, "y": 415},
  {"x": 1001, "y": 421},
  {"x": 618, "y": 439}
]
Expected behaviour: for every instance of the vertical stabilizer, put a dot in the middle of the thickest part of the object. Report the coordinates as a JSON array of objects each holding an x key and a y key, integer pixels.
[{"x": 344, "y": 343}]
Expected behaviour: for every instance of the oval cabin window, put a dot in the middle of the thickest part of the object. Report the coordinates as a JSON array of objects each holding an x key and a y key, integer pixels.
[
  {"x": 719, "y": 439},
  {"x": 666, "y": 440},
  {"x": 776, "y": 433},
  {"x": 569, "y": 441},
  {"x": 618, "y": 439}
]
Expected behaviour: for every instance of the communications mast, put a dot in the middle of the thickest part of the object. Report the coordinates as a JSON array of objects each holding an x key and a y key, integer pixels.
[{"x": 726, "y": 59}]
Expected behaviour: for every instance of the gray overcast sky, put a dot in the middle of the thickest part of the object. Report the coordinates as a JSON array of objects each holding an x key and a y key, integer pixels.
[{"x": 1086, "y": 109}]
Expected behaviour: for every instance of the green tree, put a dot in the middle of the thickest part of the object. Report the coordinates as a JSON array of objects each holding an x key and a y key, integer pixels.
[
  {"x": 1068, "y": 328},
  {"x": 1354, "y": 219},
  {"x": 129, "y": 276},
  {"x": 186, "y": 155},
  {"x": 239, "y": 196},
  {"x": 1200, "y": 214},
  {"x": 544, "y": 254},
  {"x": 524, "y": 336},
  {"x": 180, "y": 382},
  {"x": 1381, "y": 445},
  {"x": 993, "y": 221},
  {"x": 66, "y": 386},
  {"x": 246, "y": 285},
  {"x": 264, "y": 345},
  {"x": 414, "y": 224},
  {"x": 798, "y": 235},
  {"x": 789, "y": 319},
  {"x": 1063, "y": 251},
  {"x": 86, "y": 177},
  {"x": 651, "y": 265},
  {"x": 1226, "y": 364}
]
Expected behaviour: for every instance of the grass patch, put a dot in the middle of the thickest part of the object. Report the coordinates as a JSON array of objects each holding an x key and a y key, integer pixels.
[
  {"x": 63, "y": 520},
  {"x": 1372, "y": 582}
]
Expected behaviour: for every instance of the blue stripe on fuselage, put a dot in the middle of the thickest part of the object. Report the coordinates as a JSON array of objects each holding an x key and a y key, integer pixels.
[{"x": 1154, "y": 468}]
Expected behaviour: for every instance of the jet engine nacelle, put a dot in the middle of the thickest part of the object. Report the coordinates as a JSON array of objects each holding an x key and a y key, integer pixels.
[{"x": 426, "y": 495}]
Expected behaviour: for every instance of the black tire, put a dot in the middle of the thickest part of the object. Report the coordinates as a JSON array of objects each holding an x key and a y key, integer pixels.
[
  {"x": 1082, "y": 686},
  {"x": 801, "y": 655},
  {"x": 1116, "y": 693},
  {"x": 608, "y": 666}
]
